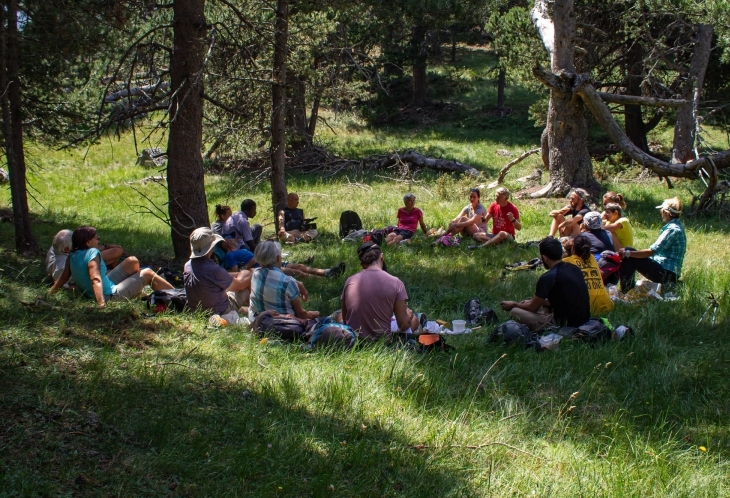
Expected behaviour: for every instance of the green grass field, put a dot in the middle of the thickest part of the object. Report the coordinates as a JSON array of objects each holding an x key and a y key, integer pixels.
[{"x": 118, "y": 402}]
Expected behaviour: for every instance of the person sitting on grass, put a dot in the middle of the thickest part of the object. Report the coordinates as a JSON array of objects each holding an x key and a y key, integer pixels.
[
  {"x": 612, "y": 197},
  {"x": 619, "y": 225},
  {"x": 561, "y": 294},
  {"x": 238, "y": 228},
  {"x": 470, "y": 220},
  {"x": 576, "y": 209},
  {"x": 58, "y": 253},
  {"x": 272, "y": 290},
  {"x": 505, "y": 219},
  {"x": 409, "y": 217},
  {"x": 600, "y": 301},
  {"x": 373, "y": 297},
  {"x": 89, "y": 271},
  {"x": 600, "y": 239},
  {"x": 292, "y": 227},
  {"x": 208, "y": 286},
  {"x": 662, "y": 262},
  {"x": 222, "y": 213}
]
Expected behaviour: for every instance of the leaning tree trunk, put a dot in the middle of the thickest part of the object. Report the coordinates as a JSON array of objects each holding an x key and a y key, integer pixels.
[
  {"x": 187, "y": 207},
  {"x": 278, "y": 112},
  {"x": 25, "y": 242},
  {"x": 419, "y": 50},
  {"x": 567, "y": 131},
  {"x": 684, "y": 130},
  {"x": 501, "y": 81}
]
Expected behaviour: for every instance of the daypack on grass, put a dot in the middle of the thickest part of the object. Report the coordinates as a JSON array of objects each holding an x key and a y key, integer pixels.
[
  {"x": 349, "y": 222},
  {"x": 167, "y": 299},
  {"x": 378, "y": 235},
  {"x": 609, "y": 264},
  {"x": 288, "y": 328},
  {"x": 448, "y": 241},
  {"x": 330, "y": 333}
]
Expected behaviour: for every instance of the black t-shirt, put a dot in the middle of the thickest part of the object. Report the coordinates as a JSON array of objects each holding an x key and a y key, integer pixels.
[
  {"x": 600, "y": 240},
  {"x": 564, "y": 286},
  {"x": 575, "y": 212},
  {"x": 293, "y": 219}
]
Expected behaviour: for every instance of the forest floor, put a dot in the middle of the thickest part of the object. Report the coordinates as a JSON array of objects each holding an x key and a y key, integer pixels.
[{"x": 126, "y": 403}]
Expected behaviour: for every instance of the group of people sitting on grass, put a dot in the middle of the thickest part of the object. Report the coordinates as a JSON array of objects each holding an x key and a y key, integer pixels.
[{"x": 231, "y": 269}]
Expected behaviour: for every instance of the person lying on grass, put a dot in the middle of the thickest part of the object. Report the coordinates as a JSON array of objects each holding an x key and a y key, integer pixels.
[
  {"x": 409, "y": 217},
  {"x": 208, "y": 286},
  {"x": 561, "y": 294},
  {"x": 243, "y": 259},
  {"x": 576, "y": 209},
  {"x": 600, "y": 301},
  {"x": 662, "y": 262},
  {"x": 89, "y": 271},
  {"x": 505, "y": 219},
  {"x": 470, "y": 220},
  {"x": 620, "y": 227},
  {"x": 292, "y": 227},
  {"x": 373, "y": 297},
  {"x": 272, "y": 290}
]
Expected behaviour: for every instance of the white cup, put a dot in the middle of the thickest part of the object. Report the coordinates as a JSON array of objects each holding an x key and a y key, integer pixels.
[{"x": 458, "y": 325}]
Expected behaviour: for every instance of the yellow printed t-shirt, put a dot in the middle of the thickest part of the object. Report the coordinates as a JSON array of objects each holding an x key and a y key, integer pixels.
[
  {"x": 601, "y": 303},
  {"x": 625, "y": 234}
]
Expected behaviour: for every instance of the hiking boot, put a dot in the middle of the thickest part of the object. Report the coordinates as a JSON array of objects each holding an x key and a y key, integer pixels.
[{"x": 335, "y": 270}]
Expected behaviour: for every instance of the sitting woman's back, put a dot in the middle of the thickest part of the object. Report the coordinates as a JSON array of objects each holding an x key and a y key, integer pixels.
[{"x": 583, "y": 258}]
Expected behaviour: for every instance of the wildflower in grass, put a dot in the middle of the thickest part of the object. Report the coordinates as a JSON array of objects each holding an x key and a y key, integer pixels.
[{"x": 702, "y": 448}]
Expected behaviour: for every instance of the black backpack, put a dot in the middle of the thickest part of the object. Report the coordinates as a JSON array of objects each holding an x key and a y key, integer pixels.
[
  {"x": 167, "y": 299},
  {"x": 285, "y": 327},
  {"x": 349, "y": 222}
]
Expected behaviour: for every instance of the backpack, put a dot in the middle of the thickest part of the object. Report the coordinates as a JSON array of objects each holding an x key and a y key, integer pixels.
[
  {"x": 349, "y": 222},
  {"x": 379, "y": 234},
  {"x": 448, "y": 241},
  {"x": 175, "y": 278},
  {"x": 167, "y": 299},
  {"x": 432, "y": 342},
  {"x": 512, "y": 332},
  {"x": 330, "y": 333},
  {"x": 288, "y": 328},
  {"x": 609, "y": 264}
]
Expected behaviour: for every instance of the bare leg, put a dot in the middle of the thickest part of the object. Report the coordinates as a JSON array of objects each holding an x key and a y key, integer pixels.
[
  {"x": 496, "y": 239},
  {"x": 130, "y": 265},
  {"x": 111, "y": 256},
  {"x": 481, "y": 237},
  {"x": 157, "y": 282},
  {"x": 557, "y": 220}
]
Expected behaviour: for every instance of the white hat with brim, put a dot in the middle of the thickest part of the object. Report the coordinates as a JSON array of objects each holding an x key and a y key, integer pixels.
[
  {"x": 202, "y": 240},
  {"x": 666, "y": 207}
]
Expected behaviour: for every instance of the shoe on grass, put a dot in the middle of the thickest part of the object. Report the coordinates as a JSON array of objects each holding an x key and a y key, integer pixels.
[{"x": 335, "y": 270}]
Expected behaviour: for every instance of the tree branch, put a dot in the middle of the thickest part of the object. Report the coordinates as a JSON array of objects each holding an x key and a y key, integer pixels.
[{"x": 615, "y": 98}]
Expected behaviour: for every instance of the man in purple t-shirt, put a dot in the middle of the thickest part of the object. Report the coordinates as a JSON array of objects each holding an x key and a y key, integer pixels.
[
  {"x": 371, "y": 297},
  {"x": 238, "y": 227},
  {"x": 208, "y": 286}
]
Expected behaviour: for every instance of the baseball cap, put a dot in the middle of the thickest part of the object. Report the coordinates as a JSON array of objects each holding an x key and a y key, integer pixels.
[
  {"x": 202, "y": 240},
  {"x": 673, "y": 206},
  {"x": 592, "y": 220}
]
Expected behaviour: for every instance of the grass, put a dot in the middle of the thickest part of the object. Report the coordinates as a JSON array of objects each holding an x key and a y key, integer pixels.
[{"x": 118, "y": 402}]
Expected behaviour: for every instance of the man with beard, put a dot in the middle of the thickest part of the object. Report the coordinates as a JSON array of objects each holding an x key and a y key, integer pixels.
[
  {"x": 373, "y": 298},
  {"x": 570, "y": 227}
]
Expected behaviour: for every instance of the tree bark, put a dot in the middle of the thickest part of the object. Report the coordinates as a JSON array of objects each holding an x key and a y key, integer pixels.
[
  {"x": 297, "y": 113},
  {"x": 567, "y": 131},
  {"x": 278, "y": 112},
  {"x": 419, "y": 50},
  {"x": 501, "y": 80},
  {"x": 684, "y": 130},
  {"x": 12, "y": 110},
  {"x": 633, "y": 119},
  {"x": 188, "y": 207}
]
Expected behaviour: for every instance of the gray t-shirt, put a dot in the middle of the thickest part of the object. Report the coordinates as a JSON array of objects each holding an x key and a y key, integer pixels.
[
  {"x": 206, "y": 284},
  {"x": 370, "y": 298},
  {"x": 238, "y": 228},
  {"x": 469, "y": 212},
  {"x": 55, "y": 264}
]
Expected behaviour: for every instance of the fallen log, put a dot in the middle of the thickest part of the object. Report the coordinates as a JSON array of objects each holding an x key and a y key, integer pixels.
[
  {"x": 140, "y": 90},
  {"x": 506, "y": 168},
  {"x": 419, "y": 160}
]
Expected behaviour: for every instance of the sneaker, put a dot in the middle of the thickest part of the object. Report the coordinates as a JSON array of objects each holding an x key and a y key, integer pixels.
[
  {"x": 336, "y": 270},
  {"x": 474, "y": 246}
]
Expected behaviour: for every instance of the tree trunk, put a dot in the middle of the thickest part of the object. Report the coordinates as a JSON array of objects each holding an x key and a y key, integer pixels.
[
  {"x": 188, "y": 206},
  {"x": 297, "y": 113},
  {"x": 634, "y": 121},
  {"x": 501, "y": 79},
  {"x": 684, "y": 130},
  {"x": 419, "y": 50},
  {"x": 453, "y": 46},
  {"x": 567, "y": 131},
  {"x": 12, "y": 111},
  {"x": 278, "y": 112},
  {"x": 312, "y": 127}
]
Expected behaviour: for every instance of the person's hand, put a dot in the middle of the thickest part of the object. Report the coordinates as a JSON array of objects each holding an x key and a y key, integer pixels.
[
  {"x": 508, "y": 305},
  {"x": 281, "y": 232},
  {"x": 604, "y": 215},
  {"x": 313, "y": 314},
  {"x": 510, "y": 217},
  {"x": 304, "y": 294}
]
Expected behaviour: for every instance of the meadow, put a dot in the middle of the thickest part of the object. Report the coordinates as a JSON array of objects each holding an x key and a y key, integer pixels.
[{"x": 122, "y": 402}]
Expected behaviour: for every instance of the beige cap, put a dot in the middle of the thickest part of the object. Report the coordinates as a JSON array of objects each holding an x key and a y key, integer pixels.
[
  {"x": 202, "y": 240},
  {"x": 673, "y": 205}
]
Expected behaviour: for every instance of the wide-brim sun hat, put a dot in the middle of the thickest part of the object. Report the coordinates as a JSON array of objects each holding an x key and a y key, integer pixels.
[
  {"x": 202, "y": 241},
  {"x": 670, "y": 206}
]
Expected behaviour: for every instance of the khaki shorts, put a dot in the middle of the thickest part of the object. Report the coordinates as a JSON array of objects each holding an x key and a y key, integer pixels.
[
  {"x": 237, "y": 299},
  {"x": 128, "y": 286}
]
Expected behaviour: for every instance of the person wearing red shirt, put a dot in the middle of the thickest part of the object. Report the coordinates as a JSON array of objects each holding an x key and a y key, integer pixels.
[
  {"x": 409, "y": 217},
  {"x": 505, "y": 219}
]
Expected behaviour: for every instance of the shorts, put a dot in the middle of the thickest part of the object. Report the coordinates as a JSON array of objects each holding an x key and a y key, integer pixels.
[
  {"x": 237, "y": 299},
  {"x": 128, "y": 286},
  {"x": 406, "y": 234}
]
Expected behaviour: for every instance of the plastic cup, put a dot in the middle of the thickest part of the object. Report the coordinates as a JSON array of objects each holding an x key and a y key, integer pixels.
[{"x": 458, "y": 326}]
